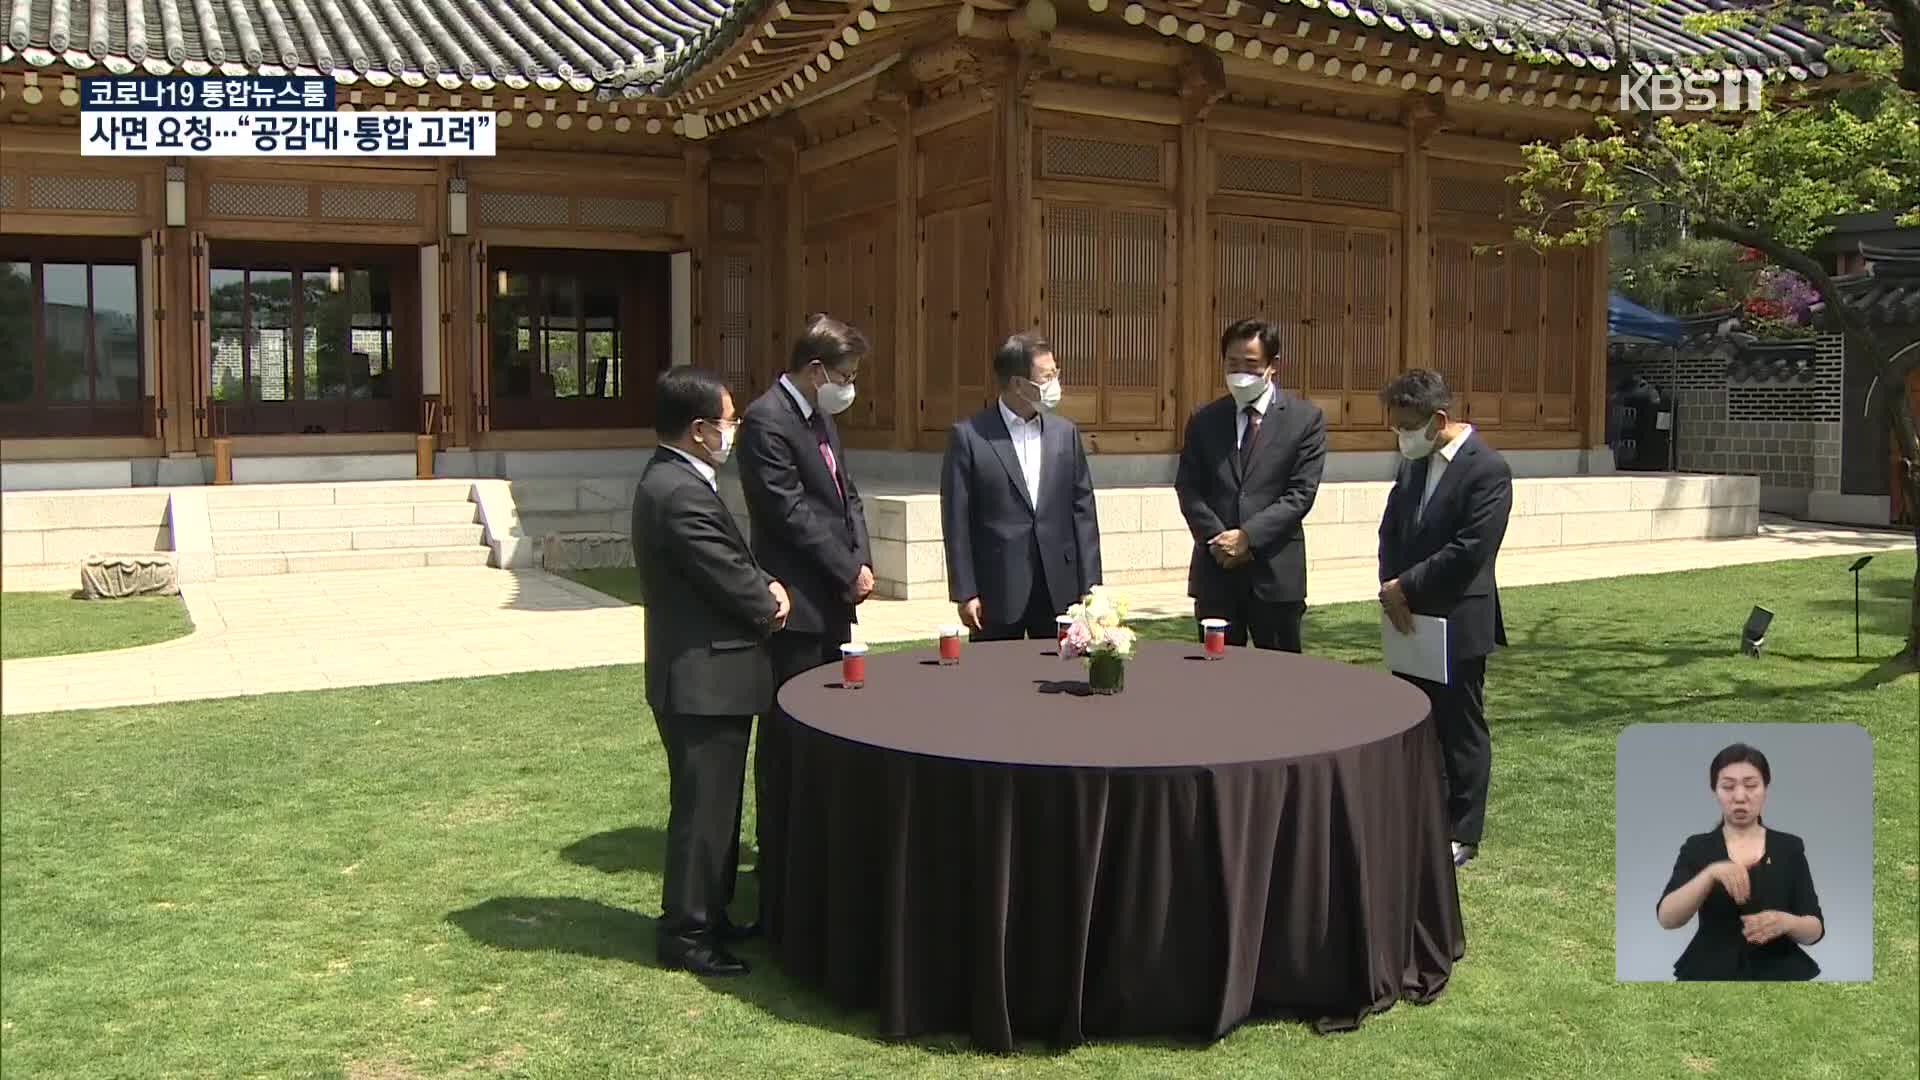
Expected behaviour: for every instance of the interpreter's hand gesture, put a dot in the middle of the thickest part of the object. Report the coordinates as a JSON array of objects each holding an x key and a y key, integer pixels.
[
  {"x": 782, "y": 604},
  {"x": 1764, "y": 926},
  {"x": 1732, "y": 877}
]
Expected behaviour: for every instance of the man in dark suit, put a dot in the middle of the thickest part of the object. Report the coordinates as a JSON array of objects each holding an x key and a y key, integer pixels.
[
  {"x": 1445, "y": 518},
  {"x": 1016, "y": 503},
  {"x": 709, "y": 609},
  {"x": 1249, "y": 471},
  {"x": 810, "y": 531}
]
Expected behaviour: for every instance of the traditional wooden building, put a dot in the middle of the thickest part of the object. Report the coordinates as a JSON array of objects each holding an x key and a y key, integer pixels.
[{"x": 683, "y": 179}]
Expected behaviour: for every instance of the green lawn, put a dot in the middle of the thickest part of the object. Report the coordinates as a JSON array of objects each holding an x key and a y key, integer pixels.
[
  {"x": 57, "y": 624},
  {"x": 451, "y": 879}
]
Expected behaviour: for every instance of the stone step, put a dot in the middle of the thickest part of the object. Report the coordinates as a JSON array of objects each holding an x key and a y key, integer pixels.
[
  {"x": 321, "y": 562},
  {"x": 340, "y": 516},
  {"x": 370, "y": 493},
  {"x": 366, "y": 538}
]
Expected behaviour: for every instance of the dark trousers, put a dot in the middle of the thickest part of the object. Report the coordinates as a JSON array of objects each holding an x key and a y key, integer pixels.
[
  {"x": 706, "y": 768},
  {"x": 793, "y": 653},
  {"x": 1037, "y": 622},
  {"x": 1460, "y": 719},
  {"x": 1268, "y": 625}
]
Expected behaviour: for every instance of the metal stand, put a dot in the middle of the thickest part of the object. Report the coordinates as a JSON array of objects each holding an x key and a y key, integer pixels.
[{"x": 1859, "y": 564}]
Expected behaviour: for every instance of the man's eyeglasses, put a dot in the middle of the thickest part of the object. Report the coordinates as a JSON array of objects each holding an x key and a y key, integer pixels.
[{"x": 840, "y": 377}]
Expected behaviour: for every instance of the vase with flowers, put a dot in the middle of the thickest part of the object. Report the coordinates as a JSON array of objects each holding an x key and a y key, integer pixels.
[{"x": 1099, "y": 635}]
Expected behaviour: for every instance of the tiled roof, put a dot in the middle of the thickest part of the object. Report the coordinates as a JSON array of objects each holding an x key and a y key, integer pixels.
[
  {"x": 641, "y": 46},
  {"x": 1887, "y": 292},
  {"x": 1569, "y": 32},
  {"x": 454, "y": 43}
]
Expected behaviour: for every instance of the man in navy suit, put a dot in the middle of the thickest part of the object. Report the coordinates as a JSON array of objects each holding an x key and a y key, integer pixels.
[
  {"x": 1445, "y": 519},
  {"x": 809, "y": 531},
  {"x": 1016, "y": 503}
]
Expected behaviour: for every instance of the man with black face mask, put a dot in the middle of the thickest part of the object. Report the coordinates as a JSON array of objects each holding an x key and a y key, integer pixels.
[
  {"x": 810, "y": 531},
  {"x": 1445, "y": 519}
]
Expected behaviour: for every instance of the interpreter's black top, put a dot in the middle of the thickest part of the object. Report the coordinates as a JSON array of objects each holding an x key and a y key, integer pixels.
[{"x": 1780, "y": 881}]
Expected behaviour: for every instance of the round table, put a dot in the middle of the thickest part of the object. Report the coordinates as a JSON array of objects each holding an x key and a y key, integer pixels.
[{"x": 989, "y": 848}]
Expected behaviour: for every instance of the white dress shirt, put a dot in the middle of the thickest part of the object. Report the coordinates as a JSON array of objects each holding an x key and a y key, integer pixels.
[
  {"x": 1026, "y": 447},
  {"x": 705, "y": 470},
  {"x": 1260, "y": 406},
  {"x": 800, "y": 399},
  {"x": 1437, "y": 467}
]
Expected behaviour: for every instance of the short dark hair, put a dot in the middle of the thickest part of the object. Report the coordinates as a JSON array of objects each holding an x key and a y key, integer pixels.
[
  {"x": 827, "y": 340},
  {"x": 1738, "y": 754},
  {"x": 1015, "y": 356},
  {"x": 1421, "y": 390},
  {"x": 1266, "y": 333},
  {"x": 683, "y": 395}
]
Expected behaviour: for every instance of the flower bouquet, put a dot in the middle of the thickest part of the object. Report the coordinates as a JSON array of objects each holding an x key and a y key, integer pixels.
[{"x": 1099, "y": 634}]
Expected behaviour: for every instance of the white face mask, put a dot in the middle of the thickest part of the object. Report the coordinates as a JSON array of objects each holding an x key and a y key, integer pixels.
[
  {"x": 1246, "y": 387},
  {"x": 1415, "y": 443},
  {"x": 1047, "y": 395},
  {"x": 720, "y": 454},
  {"x": 836, "y": 398}
]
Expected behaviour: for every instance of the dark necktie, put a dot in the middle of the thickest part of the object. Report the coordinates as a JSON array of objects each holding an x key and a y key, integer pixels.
[
  {"x": 1246, "y": 441},
  {"x": 826, "y": 452}
]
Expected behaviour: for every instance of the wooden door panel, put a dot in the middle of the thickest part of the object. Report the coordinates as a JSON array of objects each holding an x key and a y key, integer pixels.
[
  {"x": 1072, "y": 301},
  {"x": 975, "y": 336},
  {"x": 1487, "y": 362},
  {"x": 1138, "y": 346},
  {"x": 1522, "y": 403},
  {"x": 1374, "y": 325},
  {"x": 939, "y": 314},
  {"x": 1452, "y": 269},
  {"x": 1288, "y": 303}
]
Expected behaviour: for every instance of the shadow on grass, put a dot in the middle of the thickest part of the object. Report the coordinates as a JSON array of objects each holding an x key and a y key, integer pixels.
[
  {"x": 636, "y": 848},
  {"x": 563, "y": 924}
]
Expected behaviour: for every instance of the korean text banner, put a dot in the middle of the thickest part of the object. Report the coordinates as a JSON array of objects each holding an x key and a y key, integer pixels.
[
  {"x": 184, "y": 94},
  {"x": 395, "y": 134}
]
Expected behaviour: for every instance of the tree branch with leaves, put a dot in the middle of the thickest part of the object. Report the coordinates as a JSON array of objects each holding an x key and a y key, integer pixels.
[{"x": 1770, "y": 181}]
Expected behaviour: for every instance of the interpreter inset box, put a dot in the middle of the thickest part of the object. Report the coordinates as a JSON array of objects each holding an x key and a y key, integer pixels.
[{"x": 1743, "y": 852}]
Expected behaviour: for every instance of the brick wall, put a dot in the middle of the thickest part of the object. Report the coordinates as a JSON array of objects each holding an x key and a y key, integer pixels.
[{"x": 1786, "y": 432}]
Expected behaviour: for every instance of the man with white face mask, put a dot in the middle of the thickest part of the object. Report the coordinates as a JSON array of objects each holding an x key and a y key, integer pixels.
[
  {"x": 1016, "y": 503},
  {"x": 810, "y": 531},
  {"x": 1445, "y": 519},
  {"x": 1249, "y": 472}
]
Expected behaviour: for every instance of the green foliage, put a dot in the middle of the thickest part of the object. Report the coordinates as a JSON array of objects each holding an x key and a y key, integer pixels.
[
  {"x": 1686, "y": 276},
  {"x": 1778, "y": 172}
]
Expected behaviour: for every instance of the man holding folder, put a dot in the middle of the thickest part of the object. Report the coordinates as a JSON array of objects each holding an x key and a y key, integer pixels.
[{"x": 1445, "y": 519}]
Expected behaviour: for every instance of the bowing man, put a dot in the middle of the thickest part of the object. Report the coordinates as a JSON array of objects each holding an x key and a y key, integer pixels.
[
  {"x": 1445, "y": 519},
  {"x": 1249, "y": 471},
  {"x": 709, "y": 611},
  {"x": 1016, "y": 503},
  {"x": 810, "y": 531}
]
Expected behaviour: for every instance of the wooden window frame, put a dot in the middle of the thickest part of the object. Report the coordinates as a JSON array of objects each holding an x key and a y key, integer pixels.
[{"x": 39, "y": 417}]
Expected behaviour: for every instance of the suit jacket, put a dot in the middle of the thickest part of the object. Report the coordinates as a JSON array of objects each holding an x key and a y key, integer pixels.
[
  {"x": 809, "y": 537},
  {"x": 1781, "y": 881},
  {"x": 1269, "y": 502},
  {"x": 990, "y": 525},
  {"x": 1444, "y": 560},
  {"x": 708, "y": 610}
]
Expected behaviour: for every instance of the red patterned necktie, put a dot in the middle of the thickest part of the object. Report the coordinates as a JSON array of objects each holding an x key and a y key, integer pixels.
[{"x": 826, "y": 453}]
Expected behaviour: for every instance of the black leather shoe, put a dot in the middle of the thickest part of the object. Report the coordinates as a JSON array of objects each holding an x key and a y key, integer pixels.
[
  {"x": 732, "y": 933},
  {"x": 1462, "y": 853},
  {"x": 699, "y": 957}
]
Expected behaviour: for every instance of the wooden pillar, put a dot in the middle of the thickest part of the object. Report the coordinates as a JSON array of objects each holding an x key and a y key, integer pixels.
[
  {"x": 179, "y": 337},
  {"x": 1416, "y": 270},
  {"x": 1015, "y": 302},
  {"x": 1202, "y": 84},
  {"x": 795, "y": 260},
  {"x": 457, "y": 328},
  {"x": 698, "y": 159},
  {"x": 898, "y": 114},
  {"x": 1591, "y": 375}
]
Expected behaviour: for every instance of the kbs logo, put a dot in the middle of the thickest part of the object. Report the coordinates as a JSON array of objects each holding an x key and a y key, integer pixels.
[{"x": 1729, "y": 91}]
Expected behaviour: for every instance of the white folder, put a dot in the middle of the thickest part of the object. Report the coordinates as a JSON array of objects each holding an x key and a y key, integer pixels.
[{"x": 1421, "y": 654}]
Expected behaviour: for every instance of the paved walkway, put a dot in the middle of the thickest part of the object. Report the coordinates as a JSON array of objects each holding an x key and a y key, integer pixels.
[{"x": 311, "y": 632}]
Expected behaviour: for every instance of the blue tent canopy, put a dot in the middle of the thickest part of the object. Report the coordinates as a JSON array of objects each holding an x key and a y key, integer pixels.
[{"x": 1628, "y": 321}]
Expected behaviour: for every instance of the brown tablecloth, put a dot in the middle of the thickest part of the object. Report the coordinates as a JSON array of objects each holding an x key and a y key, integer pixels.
[{"x": 987, "y": 848}]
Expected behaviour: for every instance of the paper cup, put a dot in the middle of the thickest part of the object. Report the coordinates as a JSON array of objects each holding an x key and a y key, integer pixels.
[
  {"x": 950, "y": 644},
  {"x": 853, "y": 665},
  {"x": 1061, "y": 624},
  {"x": 1213, "y": 634}
]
